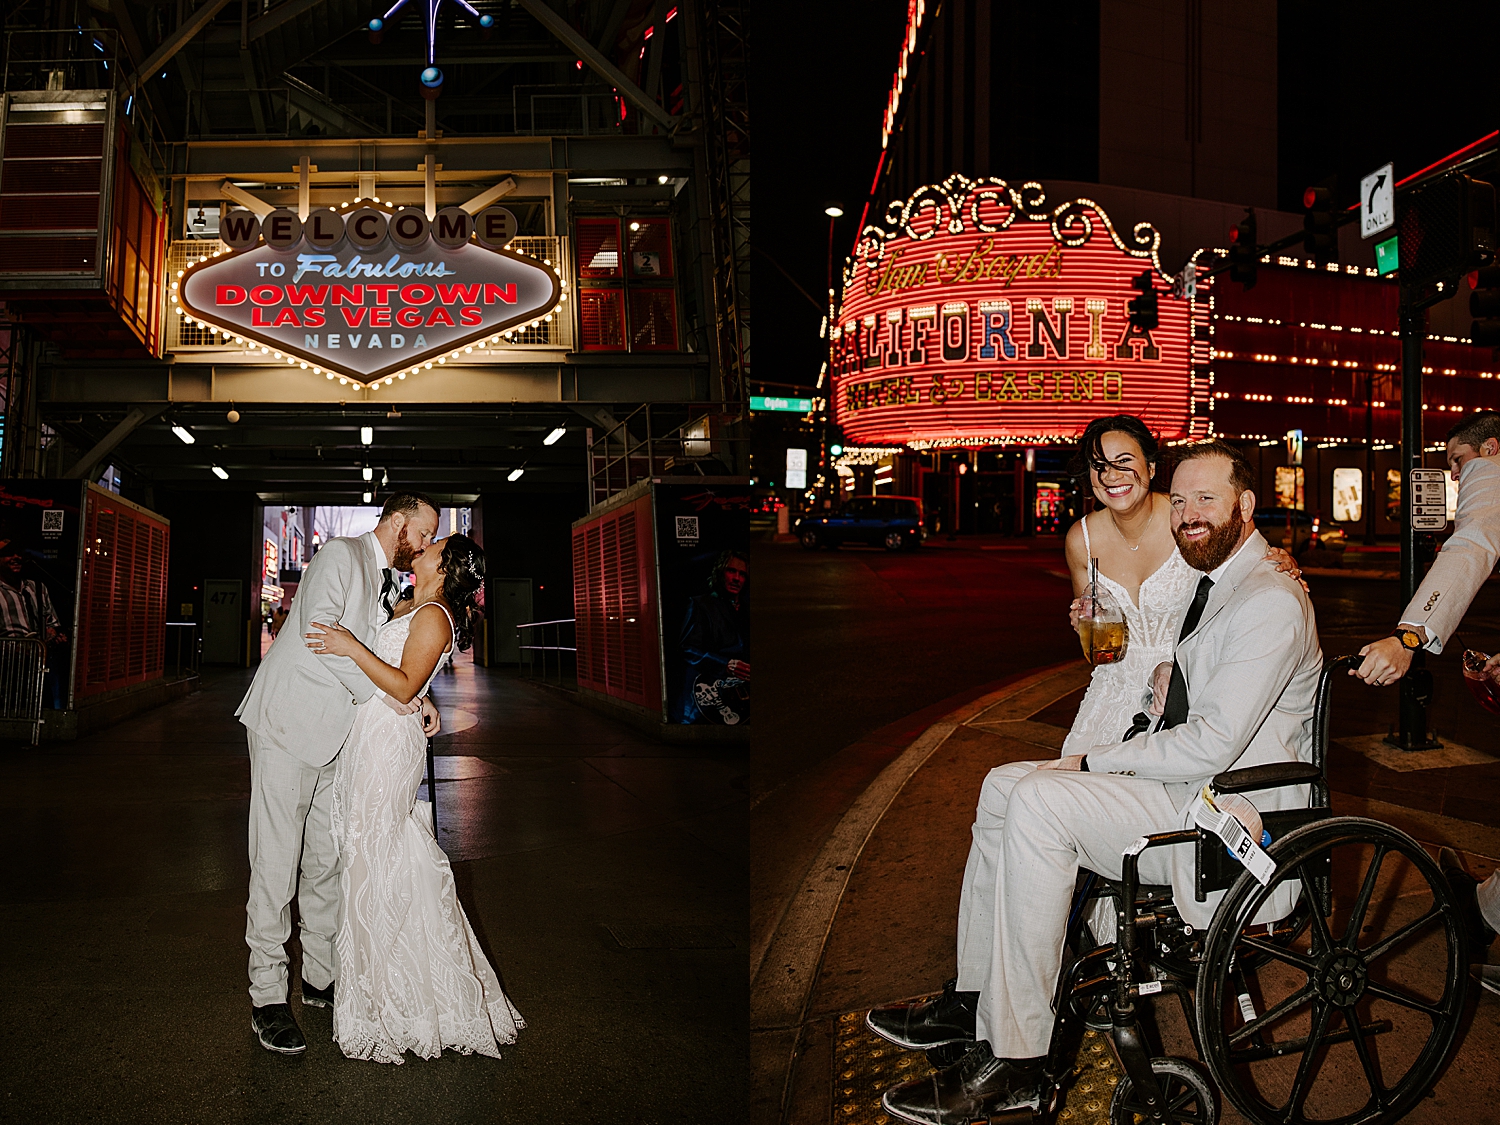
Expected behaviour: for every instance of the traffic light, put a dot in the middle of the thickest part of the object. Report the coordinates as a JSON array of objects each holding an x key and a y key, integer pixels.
[
  {"x": 1320, "y": 240},
  {"x": 1243, "y": 254},
  {"x": 1143, "y": 311},
  {"x": 1484, "y": 306},
  {"x": 1447, "y": 229}
]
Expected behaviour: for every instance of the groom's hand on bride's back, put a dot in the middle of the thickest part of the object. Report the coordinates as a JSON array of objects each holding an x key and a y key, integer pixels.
[
  {"x": 399, "y": 707},
  {"x": 431, "y": 722}
]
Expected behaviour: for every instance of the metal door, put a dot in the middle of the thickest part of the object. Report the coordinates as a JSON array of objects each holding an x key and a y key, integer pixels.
[{"x": 223, "y": 619}]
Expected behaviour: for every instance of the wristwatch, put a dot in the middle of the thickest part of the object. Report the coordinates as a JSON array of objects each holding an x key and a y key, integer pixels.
[{"x": 1409, "y": 638}]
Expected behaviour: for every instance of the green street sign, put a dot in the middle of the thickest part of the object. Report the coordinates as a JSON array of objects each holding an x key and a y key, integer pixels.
[
  {"x": 790, "y": 405},
  {"x": 1385, "y": 256}
]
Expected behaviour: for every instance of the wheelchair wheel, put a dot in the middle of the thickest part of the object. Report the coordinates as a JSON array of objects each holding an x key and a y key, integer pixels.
[
  {"x": 1188, "y": 1093},
  {"x": 1348, "y": 1019}
]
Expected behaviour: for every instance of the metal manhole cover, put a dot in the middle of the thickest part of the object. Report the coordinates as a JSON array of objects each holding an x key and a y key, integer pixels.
[{"x": 865, "y": 1065}]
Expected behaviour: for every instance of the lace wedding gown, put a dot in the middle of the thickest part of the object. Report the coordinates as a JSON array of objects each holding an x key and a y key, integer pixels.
[
  {"x": 1118, "y": 691},
  {"x": 411, "y": 974}
]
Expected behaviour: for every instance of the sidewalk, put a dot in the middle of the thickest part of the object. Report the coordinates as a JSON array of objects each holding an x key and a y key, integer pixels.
[
  {"x": 604, "y": 873},
  {"x": 892, "y": 933}
]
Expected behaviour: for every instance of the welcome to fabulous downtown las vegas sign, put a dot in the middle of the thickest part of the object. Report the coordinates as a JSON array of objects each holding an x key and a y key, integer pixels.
[{"x": 371, "y": 293}]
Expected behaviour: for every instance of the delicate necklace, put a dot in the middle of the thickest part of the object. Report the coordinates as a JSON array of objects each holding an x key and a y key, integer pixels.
[{"x": 1139, "y": 537}]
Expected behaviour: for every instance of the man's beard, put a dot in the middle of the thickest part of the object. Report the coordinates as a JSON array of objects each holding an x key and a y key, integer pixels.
[
  {"x": 404, "y": 555},
  {"x": 1209, "y": 553}
]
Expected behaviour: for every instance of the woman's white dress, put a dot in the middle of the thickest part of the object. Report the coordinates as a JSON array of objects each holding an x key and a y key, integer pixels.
[
  {"x": 1117, "y": 692},
  {"x": 411, "y": 974}
]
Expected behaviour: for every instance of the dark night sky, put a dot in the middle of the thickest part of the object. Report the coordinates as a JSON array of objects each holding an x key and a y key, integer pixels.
[{"x": 1360, "y": 83}]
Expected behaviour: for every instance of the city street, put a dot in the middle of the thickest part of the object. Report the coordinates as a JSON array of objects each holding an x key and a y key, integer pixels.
[{"x": 896, "y": 642}]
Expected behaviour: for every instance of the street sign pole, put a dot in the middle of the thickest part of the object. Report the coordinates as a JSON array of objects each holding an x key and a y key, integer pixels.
[{"x": 1416, "y": 685}]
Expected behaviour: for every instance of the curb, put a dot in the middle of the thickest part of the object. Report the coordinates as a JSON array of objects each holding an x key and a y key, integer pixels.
[{"x": 781, "y": 985}]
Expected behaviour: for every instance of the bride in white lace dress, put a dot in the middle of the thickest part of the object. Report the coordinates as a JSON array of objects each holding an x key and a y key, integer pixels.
[
  {"x": 411, "y": 975},
  {"x": 1140, "y": 568}
]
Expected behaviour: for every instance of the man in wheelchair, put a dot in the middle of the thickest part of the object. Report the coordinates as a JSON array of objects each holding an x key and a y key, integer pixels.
[{"x": 1241, "y": 693}]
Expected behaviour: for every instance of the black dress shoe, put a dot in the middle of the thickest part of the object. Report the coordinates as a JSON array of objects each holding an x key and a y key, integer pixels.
[
  {"x": 277, "y": 1030},
  {"x": 1465, "y": 887},
  {"x": 934, "y": 1022},
  {"x": 317, "y": 997},
  {"x": 976, "y": 1087}
]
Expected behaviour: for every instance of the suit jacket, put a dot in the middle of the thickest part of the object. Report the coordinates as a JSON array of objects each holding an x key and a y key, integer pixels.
[
  {"x": 1251, "y": 666},
  {"x": 303, "y": 702},
  {"x": 1465, "y": 561}
]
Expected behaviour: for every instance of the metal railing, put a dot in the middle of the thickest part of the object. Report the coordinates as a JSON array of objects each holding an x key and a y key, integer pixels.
[
  {"x": 561, "y": 654},
  {"x": 23, "y": 664},
  {"x": 702, "y": 439},
  {"x": 186, "y": 642}
]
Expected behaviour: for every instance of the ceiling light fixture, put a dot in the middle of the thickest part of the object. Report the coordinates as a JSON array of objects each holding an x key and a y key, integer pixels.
[
  {"x": 366, "y": 435},
  {"x": 552, "y": 438},
  {"x": 369, "y": 473},
  {"x": 515, "y": 474},
  {"x": 220, "y": 473},
  {"x": 187, "y": 438},
  {"x": 365, "y": 497}
]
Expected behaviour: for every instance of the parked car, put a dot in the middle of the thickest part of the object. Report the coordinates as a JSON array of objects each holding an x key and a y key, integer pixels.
[
  {"x": 892, "y": 522},
  {"x": 1271, "y": 522}
]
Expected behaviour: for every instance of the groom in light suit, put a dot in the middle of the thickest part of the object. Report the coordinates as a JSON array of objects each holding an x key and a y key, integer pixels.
[
  {"x": 1239, "y": 693},
  {"x": 1434, "y": 614},
  {"x": 298, "y": 712}
]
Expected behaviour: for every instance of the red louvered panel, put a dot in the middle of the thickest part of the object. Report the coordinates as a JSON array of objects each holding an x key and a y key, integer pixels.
[
  {"x": 122, "y": 597},
  {"x": 613, "y": 582},
  {"x": 630, "y": 607},
  {"x": 54, "y": 140},
  {"x": 50, "y": 177},
  {"x": 32, "y": 254}
]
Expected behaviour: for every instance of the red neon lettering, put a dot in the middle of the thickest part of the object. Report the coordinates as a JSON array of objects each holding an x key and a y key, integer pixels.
[
  {"x": 229, "y": 295},
  {"x": 409, "y": 318},
  {"x": 313, "y": 318},
  {"x": 505, "y": 293},
  {"x": 380, "y": 318},
  {"x": 287, "y": 316},
  {"x": 309, "y": 294},
  {"x": 352, "y": 294},
  {"x": 258, "y": 318},
  {"x": 440, "y": 316},
  {"x": 354, "y": 317},
  {"x": 453, "y": 294},
  {"x": 417, "y": 294},
  {"x": 266, "y": 294},
  {"x": 470, "y": 316},
  {"x": 382, "y": 292}
]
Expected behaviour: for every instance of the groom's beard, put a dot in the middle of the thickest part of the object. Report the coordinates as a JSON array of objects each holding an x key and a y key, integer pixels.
[
  {"x": 404, "y": 554},
  {"x": 1213, "y": 549}
]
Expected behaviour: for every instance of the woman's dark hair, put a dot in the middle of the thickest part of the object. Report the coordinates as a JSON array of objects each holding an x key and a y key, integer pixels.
[
  {"x": 1091, "y": 445},
  {"x": 463, "y": 578}
]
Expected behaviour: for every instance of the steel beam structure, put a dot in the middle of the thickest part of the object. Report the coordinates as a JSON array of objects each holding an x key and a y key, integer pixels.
[{"x": 175, "y": 42}]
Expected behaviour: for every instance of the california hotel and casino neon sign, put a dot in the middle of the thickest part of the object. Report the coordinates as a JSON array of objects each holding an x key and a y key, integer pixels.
[{"x": 977, "y": 314}]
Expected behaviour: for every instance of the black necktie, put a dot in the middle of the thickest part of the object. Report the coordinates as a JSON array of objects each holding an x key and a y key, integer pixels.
[
  {"x": 387, "y": 588},
  {"x": 1175, "y": 710}
]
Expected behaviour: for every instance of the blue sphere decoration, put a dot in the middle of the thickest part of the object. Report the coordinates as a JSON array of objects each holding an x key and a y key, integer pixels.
[
  {"x": 432, "y": 77},
  {"x": 486, "y": 21},
  {"x": 376, "y": 24}
]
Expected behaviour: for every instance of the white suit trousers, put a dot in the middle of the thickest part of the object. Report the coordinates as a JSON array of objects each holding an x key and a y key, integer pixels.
[
  {"x": 1032, "y": 831},
  {"x": 290, "y": 830}
]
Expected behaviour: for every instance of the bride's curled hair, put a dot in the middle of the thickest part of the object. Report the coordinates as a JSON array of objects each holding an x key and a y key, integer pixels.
[{"x": 463, "y": 578}]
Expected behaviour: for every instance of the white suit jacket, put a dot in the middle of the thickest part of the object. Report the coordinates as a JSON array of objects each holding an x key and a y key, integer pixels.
[
  {"x": 303, "y": 702},
  {"x": 1252, "y": 667},
  {"x": 1465, "y": 561}
]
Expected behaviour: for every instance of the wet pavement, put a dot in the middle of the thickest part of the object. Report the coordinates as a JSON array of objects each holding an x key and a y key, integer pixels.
[
  {"x": 885, "y": 846},
  {"x": 604, "y": 873}
]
